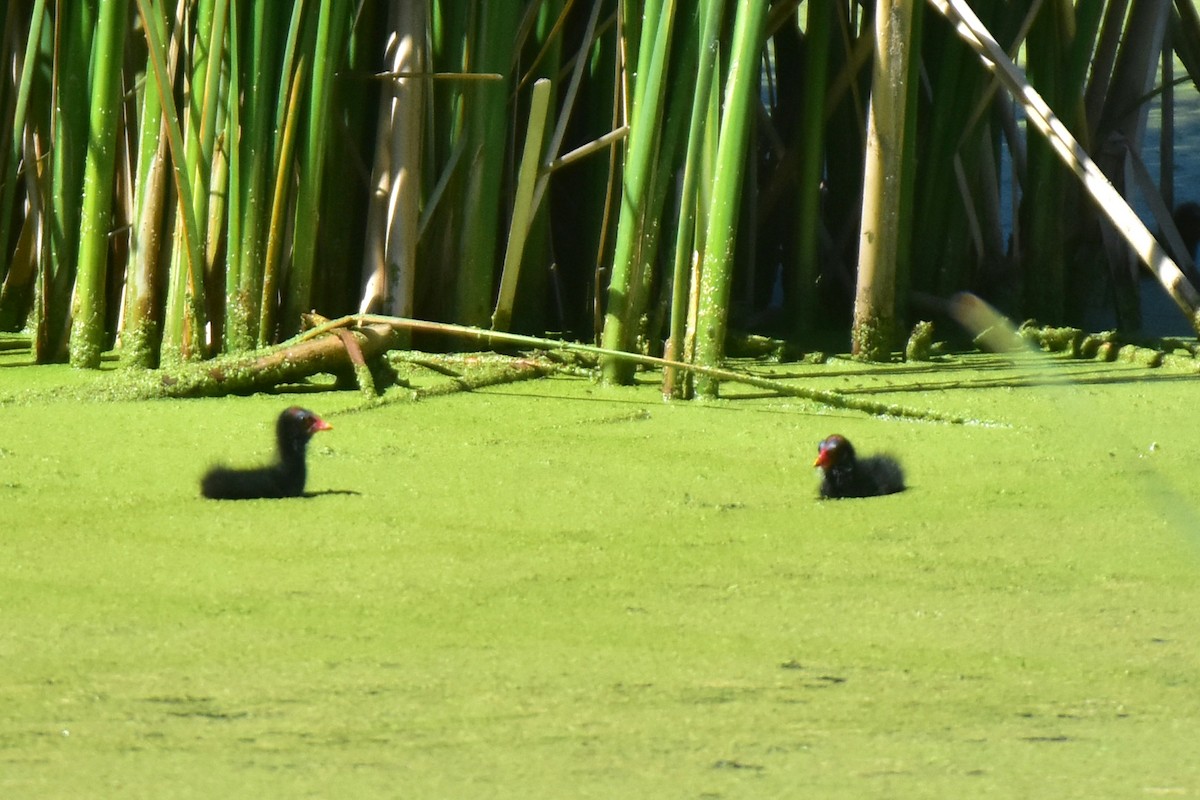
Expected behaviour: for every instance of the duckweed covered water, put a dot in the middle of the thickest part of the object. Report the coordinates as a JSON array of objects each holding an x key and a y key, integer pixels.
[{"x": 553, "y": 589}]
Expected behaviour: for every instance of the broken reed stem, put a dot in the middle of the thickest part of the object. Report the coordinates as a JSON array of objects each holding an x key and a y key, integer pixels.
[{"x": 490, "y": 339}]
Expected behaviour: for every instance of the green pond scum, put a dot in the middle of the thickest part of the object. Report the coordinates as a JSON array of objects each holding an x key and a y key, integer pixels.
[{"x": 554, "y": 589}]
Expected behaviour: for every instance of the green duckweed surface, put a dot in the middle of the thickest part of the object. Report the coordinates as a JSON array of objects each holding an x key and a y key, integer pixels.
[{"x": 555, "y": 589}]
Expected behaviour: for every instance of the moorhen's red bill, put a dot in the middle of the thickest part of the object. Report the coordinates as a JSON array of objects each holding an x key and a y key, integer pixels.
[
  {"x": 846, "y": 475},
  {"x": 284, "y": 478}
]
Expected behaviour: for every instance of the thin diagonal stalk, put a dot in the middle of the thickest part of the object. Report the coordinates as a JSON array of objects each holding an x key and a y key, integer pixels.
[
  {"x": 523, "y": 208},
  {"x": 275, "y": 235}
]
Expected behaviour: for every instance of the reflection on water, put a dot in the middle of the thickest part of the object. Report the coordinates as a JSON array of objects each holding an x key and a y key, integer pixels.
[
  {"x": 1187, "y": 139},
  {"x": 1160, "y": 315}
]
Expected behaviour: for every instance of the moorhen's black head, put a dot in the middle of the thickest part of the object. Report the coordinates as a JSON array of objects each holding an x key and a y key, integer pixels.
[
  {"x": 834, "y": 452},
  {"x": 295, "y": 427}
]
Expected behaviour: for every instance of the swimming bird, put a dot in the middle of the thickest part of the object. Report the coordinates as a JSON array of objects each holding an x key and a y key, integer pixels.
[
  {"x": 284, "y": 478},
  {"x": 846, "y": 475}
]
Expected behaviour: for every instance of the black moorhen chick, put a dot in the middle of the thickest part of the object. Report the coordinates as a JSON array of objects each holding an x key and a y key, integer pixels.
[
  {"x": 284, "y": 478},
  {"x": 846, "y": 475}
]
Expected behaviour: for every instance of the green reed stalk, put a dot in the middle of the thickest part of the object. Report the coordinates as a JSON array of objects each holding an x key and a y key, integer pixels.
[
  {"x": 711, "y": 13},
  {"x": 251, "y": 167},
  {"x": 631, "y": 257},
  {"x": 810, "y": 135},
  {"x": 588, "y": 106},
  {"x": 69, "y": 122},
  {"x": 88, "y": 330},
  {"x": 186, "y": 314},
  {"x": 1049, "y": 183},
  {"x": 485, "y": 105},
  {"x": 235, "y": 334},
  {"x": 183, "y": 332},
  {"x": 717, "y": 272},
  {"x": 140, "y": 332},
  {"x": 284, "y": 127},
  {"x": 276, "y": 230},
  {"x": 220, "y": 106},
  {"x": 956, "y": 188},
  {"x": 15, "y": 137},
  {"x": 207, "y": 105},
  {"x": 15, "y": 284},
  {"x": 327, "y": 46},
  {"x": 542, "y": 50}
]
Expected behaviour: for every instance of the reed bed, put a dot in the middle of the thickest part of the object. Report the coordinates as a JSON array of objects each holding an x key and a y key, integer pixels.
[{"x": 181, "y": 181}]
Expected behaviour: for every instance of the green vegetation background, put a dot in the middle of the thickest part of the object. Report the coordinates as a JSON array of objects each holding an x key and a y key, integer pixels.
[{"x": 555, "y": 589}]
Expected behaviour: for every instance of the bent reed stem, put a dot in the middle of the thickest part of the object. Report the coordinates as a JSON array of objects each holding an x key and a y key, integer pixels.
[{"x": 493, "y": 338}]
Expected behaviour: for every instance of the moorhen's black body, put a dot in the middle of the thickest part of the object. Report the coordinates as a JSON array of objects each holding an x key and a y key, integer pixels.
[
  {"x": 284, "y": 478},
  {"x": 846, "y": 475}
]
